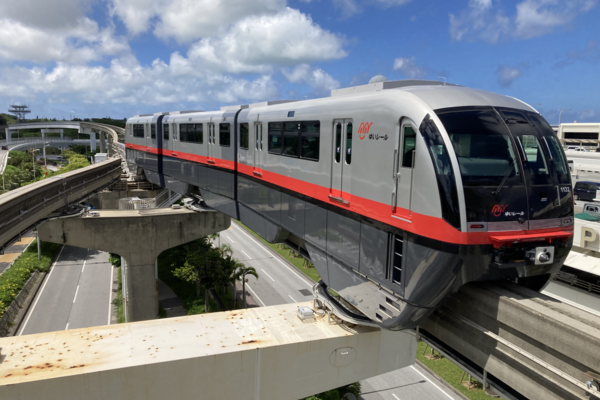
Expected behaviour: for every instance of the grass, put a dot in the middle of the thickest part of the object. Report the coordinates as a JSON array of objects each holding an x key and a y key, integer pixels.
[
  {"x": 13, "y": 279},
  {"x": 285, "y": 252},
  {"x": 451, "y": 373}
]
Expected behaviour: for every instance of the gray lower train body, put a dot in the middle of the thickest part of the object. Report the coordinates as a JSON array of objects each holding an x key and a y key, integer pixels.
[{"x": 394, "y": 276}]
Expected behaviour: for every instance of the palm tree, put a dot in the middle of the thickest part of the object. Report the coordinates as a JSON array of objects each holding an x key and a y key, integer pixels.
[
  {"x": 225, "y": 250},
  {"x": 241, "y": 274},
  {"x": 234, "y": 277}
]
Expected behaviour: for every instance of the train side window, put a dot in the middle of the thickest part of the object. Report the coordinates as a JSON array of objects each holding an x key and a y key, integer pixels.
[
  {"x": 244, "y": 135},
  {"x": 349, "y": 143},
  {"x": 183, "y": 133},
  {"x": 225, "y": 134},
  {"x": 199, "y": 133},
  {"x": 408, "y": 147},
  {"x": 153, "y": 131},
  {"x": 310, "y": 132},
  {"x": 338, "y": 142},
  {"x": 138, "y": 130},
  {"x": 166, "y": 131},
  {"x": 291, "y": 131},
  {"x": 275, "y": 142}
]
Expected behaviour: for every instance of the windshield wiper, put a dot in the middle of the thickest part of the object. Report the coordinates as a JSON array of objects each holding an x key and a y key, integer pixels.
[
  {"x": 497, "y": 190},
  {"x": 515, "y": 120}
]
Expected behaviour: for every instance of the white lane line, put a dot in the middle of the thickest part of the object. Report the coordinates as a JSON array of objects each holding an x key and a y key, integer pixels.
[
  {"x": 428, "y": 380},
  {"x": 275, "y": 257},
  {"x": 76, "y": 290},
  {"x": 41, "y": 291},
  {"x": 82, "y": 269},
  {"x": 228, "y": 238},
  {"x": 67, "y": 327},
  {"x": 292, "y": 299},
  {"x": 112, "y": 270},
  {"x": 396, "y": 397},
  {"x": 265, "y": 272},
  {"x": 254, "y": 295},
  {"x": 246, "y": 254}
]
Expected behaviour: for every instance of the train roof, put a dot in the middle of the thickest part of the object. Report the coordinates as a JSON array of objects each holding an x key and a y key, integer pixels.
[{"x": 438, "y": 95}]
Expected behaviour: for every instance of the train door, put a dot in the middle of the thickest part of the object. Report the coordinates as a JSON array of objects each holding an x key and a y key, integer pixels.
[
  {"x": 257, "y": 149},
  {"x": 404, "y": 162},
  {"x": 166, "y": 137},
  {"x": 341, "y": 161},
  {"x": 211, "y": 143}
]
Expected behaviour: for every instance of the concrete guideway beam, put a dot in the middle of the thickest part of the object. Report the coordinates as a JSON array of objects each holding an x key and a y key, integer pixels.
[
  {"x": 555, "y": 333},
  {"x": 263, "y": 353},
  {"x": 139, "y": 236},
  {"x": 25, "y": 206}
]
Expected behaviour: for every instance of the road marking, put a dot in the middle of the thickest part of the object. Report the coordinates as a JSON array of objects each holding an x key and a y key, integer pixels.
[
  {"x": 267, "y": 274},
  {"x": 76, "y": 290},
  {"x": 41, "y": 291},
  {"x": 292, "y": 299},
  {"x": 67, "y": 327},
  {"x": 246, "y": 254},
  {"x": 230, "y": 239},
  {"x": 254, "y": 295},
  {"x": 83, "y": 266},
  {"x": 112, "y": 270},
  {"x": 275, "y": 257},
  {"x": 428, "y": 380},
  {"x": 396, "y": 397}
]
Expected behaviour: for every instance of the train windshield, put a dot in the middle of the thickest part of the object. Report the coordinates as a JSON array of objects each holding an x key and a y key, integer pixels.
[{"x": 485, "y": 151}]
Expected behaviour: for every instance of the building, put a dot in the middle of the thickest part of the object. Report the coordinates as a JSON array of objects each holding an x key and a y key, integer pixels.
[{"x": 579, "y": 134}]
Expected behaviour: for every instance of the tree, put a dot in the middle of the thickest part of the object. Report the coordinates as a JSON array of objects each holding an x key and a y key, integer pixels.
[
  {"x": 241, "y": 274},
  {"x": 205, "y": 267}
]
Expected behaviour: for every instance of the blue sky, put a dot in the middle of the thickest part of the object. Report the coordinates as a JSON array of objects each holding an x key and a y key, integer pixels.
[{"x": 122, "y": 57}]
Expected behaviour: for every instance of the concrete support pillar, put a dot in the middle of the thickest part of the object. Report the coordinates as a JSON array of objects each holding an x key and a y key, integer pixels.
[
  {"x": 43, "y": 134},
  {"x": 102, "y": 142},
  {"x": 109, "y": 147},
  {"x": 92, "y": 141},
  {"x": 138, "y": 236},
  {"x": 61, "y": 134},
  {"x": 7, "y": 132}
]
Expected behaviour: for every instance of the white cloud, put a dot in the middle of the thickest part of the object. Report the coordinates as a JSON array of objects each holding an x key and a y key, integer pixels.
[
  {"x": 391, "y": 3},
  {"x": 187, "y": 20},
  {"x": 127, "y": 82},
  {"x": 507, "y": 75},
  {"x": 320, "y": 80},
  {"x": 483, "y": 20},
  {"x": 254, "y": 45},
  {"x": 348, "y": 8},
  {"x": 409, "y": 67},
  {"x": 539, "y": 17},
  {"x": 136, "y": 14}
]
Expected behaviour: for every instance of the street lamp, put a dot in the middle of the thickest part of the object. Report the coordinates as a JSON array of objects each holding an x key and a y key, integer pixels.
[
  {"x": 45, "y": 160},
  {"x": 561, "y": 111}
]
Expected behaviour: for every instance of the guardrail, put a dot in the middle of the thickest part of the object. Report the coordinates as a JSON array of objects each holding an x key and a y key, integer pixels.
[
  {"x": 575, "y": 282},
  {"x": 35, "y": 140}
]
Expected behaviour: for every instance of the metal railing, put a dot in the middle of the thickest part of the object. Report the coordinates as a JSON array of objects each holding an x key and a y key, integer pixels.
[
  {"x": 576, "y": 282},
  {"x": 35, "y": 139}
]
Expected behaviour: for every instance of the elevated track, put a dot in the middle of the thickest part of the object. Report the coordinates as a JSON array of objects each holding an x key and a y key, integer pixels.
[{"x": 23, "y": 207}]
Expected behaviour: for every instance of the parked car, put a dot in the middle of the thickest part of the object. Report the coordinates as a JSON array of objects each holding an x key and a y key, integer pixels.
[
  {"x": 585, "y": 190},
  {"x": 592, "y": 209},
  {"x": 4, "y": 147}
]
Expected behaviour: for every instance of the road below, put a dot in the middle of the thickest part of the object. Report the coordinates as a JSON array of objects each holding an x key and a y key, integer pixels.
[
  {"x": 281, "y": 283},
  {"x": 75, "y": 294}
]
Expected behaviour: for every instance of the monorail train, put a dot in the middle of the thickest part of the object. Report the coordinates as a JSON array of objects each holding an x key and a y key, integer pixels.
[{"x": 399, "y": 192}]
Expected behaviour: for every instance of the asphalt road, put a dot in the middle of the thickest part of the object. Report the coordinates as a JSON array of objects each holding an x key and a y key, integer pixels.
[
  {"x": 281, "y": 283},
  {"x": 76, "y": 293}
]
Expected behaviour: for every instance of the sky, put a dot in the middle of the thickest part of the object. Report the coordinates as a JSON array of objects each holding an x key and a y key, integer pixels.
[{"x": 117, "y": 58}]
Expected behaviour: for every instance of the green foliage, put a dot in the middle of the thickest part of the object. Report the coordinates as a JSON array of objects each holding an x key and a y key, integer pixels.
[
  {"x": 118, "y": 301},
  {"x": 114, "y": 259},
  {"x": 13, "y": 279},
  {"x": 339, "y": 393}
]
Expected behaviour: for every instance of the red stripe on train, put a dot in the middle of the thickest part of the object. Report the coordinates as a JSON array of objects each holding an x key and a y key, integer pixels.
[{"x": 424, "y": 225}]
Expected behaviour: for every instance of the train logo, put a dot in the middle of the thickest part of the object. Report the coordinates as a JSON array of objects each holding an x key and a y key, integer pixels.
[
  {"x": 363, "y": 129},
  {"x": 499, "y": 209}
]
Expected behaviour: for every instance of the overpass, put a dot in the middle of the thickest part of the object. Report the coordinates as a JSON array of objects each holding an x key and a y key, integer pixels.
[{"x": 113, "y": 133}]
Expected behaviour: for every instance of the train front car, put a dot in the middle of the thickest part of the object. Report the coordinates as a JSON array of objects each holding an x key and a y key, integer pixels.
[{"x": 505, "y": 203}]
